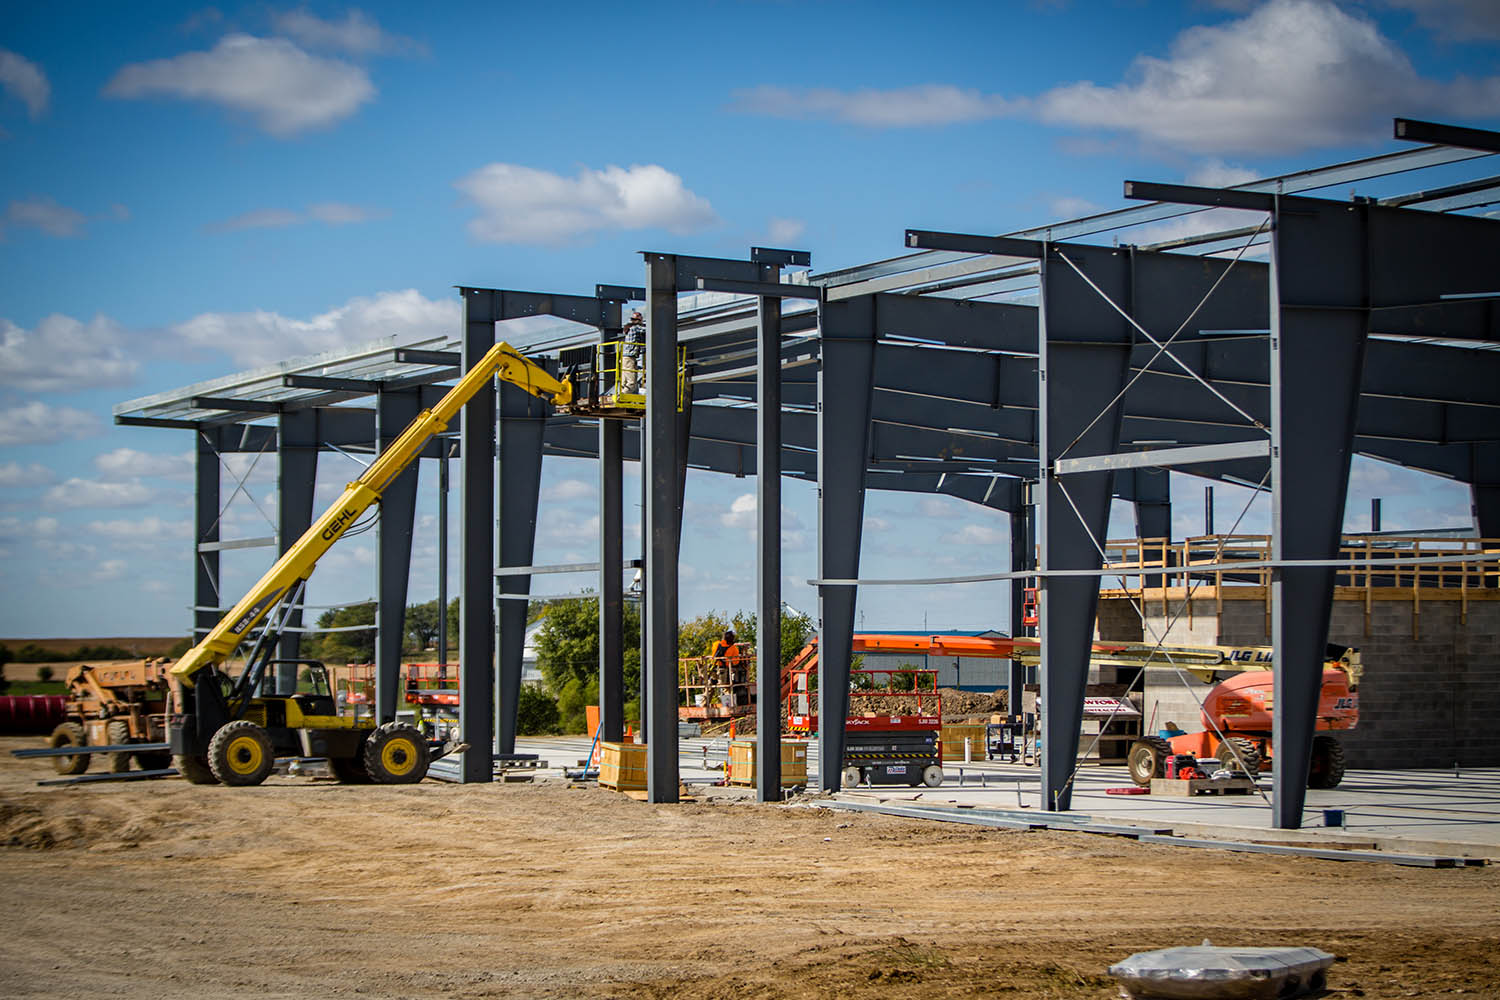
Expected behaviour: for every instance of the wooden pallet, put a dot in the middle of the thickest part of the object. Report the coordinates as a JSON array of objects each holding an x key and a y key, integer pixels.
[{"x": 1187, "y": 787}]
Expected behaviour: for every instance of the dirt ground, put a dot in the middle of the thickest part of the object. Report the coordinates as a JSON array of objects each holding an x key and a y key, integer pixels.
[{"x": 305, "y": 888}]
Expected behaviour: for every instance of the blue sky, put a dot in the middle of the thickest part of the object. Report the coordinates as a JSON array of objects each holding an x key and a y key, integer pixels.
[{"x": 188, "y": 191}]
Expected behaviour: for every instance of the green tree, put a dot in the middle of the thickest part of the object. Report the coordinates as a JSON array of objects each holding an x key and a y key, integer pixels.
[
  {"x": 796, "y": 629},
  {"x": 422, "y": 624},
  {"x": 567, "y": 646},
  {"x": 44, "y": 674},
  {"x": 571, "y": 702},
  {"x": 346, "y": 647},
  {"x": 536, "y": 712}
]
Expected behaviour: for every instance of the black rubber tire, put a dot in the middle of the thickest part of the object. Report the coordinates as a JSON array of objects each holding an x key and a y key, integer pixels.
[
  {"x": 396, "y": 754},
  {"x": 69, "y": 734},
  {"x": 1249, "y": 753},
  {"x": 154, "y": 760},
  {"x": 118, "y": 733},
  {"x": 195, "y": 770},
  {"x": 241, "y": 754},
  {"x": 349, "y": 770},
  {"x": 1147, "y": 759},
  {"x": 1325, "y": 769}
]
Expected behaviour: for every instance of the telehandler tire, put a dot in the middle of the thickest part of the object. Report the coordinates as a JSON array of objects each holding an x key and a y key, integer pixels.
[
  {"x": 1325, "y": 769},
  {"x": 195, "y": 770},
  {"x": 1248, "y": 752},
  {"x": 852, "y": 777},
  {"x": 396, "y": 754},
  {"x": 118, "y": 733},
  {"x": 241, "y": 754},
  {"x": 69, "y": 734},
  {"x": 1147, "y": 759},
  {"x": 349, "y": 770}
]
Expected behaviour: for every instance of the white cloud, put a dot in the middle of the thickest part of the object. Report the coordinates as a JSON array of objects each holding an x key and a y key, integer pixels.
[
  {"x": 24, "y": 80},
  {"x": 978, "y": 534},
  {"x": 77, "y": 493},
  {"x": 784, "y": 232},
  {"x": 63, "y": 354},
  {"x": 1070, "y": 207},
  {"x": 1455, "y": 20},
  {"x": 146, "y": 533},
  {"x": 263, "y": 338},
  {"x": 283, "y": 88},
  {"x": 123, "y": 464},
  {"x": 928, "y": 104},
  {"x": 1292, "y": 75},
  {"x": 570, "y": 489},
  {"x": 46, "y": 527},
  {"x": 519, "y": 204},
  {"x": 356, "y": 33},
  {"x": 108, "y": 570},
  {"x": 741, "y": 515},
  {"x": 936, "y": 507},
  {"x": 38, "y": 423},
  {"x": 43, "y": 213},
  {"x": 330, "y": 213},
  {"x": 15, "y": 474}
]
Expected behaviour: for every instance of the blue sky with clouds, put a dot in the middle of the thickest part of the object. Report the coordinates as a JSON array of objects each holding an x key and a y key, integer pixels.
[{"x": 189, "y": 191}]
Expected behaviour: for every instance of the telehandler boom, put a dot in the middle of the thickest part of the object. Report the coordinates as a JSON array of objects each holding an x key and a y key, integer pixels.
[{"x": 230, "y": 729}]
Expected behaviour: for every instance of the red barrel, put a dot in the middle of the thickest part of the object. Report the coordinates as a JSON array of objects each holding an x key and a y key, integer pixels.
[{"x": 31, "y": 713}]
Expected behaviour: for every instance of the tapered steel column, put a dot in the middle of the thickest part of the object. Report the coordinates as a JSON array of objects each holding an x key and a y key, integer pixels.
[
  {"x": 845, "y": 385},
  {"x": 398, "y": 511},
  {"x": 523, "y": 422},
  {"x": 1083, "y": 359},
  {"x": 476, "y": 626},
  {"x": 1151, "y": 497},
  {"x": 442, "y": 555},
  {"x": 663, "y": 492},
  {"x": 1485, "y": 489},
  {"x": 296, "y": 476},
  {"x": 206, "y": 530},
  {"x": 1022, "y": 558},
  {"x": 1317, "y": 343},
  {"x": 768, "y": 543},
  {"x": 611, "y": 583}
]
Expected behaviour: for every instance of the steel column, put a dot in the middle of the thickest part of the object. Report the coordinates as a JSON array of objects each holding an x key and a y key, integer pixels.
[
  {"x": 205, "y": 529},
  {"x": 398, "y": 511},
  {"x": 663, "y": 490},
  {"x": 296, "y": 477},
  {"x": 1084, "y": 357},
  {"x": 845, "y": 386},
  {"x": 523, "y": 420},
  {"x": 442, "y": 556},
  {"x": 1022, "y": 557},
  {"x": 1151, "y": 496},
  {"x": 1485, "y": 490},
  {"x": 768, "y": 544},
  {"x": 611, "y": 584},
  {"x": 1317, "y": 350},
  {"x": 476, "y": 627}
]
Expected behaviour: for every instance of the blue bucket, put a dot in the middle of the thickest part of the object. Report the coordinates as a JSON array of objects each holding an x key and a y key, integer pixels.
[{"x": 1333, "y": 817}]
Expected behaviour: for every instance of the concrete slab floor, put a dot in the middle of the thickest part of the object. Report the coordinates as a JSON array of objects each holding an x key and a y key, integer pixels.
[{"x": 1415, "y": 811}]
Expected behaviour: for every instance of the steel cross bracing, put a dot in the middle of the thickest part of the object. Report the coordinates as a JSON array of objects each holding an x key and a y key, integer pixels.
[{"x": 952, "y": 376}]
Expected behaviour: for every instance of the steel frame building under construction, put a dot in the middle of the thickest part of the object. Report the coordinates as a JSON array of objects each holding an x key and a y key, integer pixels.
[{"x": 1036, "y": 374}]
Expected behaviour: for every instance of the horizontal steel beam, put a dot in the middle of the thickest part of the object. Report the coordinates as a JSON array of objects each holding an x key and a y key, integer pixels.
[
  {"x": 1413, "y": 130},
  {"x": 1164, "y": 457},
  {"x": 768, "y": 289},
  {"x": 620, "y": 293},
  {"x": 781, "y": 258},
  {"x": 998, "y": 246},
  {"x": 409, "y": 356},
  {"x": 236, "y": 405},
  {"x": 359, "y": 385},
  {"x": 238, "y": 543},
  {"x": 592, "y": 567}
]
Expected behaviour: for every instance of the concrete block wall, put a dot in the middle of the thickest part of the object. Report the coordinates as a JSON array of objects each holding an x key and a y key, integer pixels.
[{"x": 1428, "y": 701}]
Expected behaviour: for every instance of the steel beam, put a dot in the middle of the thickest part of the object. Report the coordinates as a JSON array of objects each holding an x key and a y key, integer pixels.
[
  {"x": 611, "y": 586},
  {"x": 1022, "y": 558},
  {"x": 1150, "y": 493},
  {"x": 663, "y": 488},
  {"x": 768, "y": 544},
  {"x": 296, "y": 478},
  {"x": 398, "y": 511},
  {"x": 845, "y": 381},
  {"x": 1084, "y": 356},
  {"x": 1162, "y": 457},
  {"x": 476, "y": 627},
  {"x": 1447, "y": 135},
  {"x": 523, "y": 419}
]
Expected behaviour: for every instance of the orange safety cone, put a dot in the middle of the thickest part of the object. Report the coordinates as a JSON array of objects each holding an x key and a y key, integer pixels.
[{"x": 731, "y": 729}]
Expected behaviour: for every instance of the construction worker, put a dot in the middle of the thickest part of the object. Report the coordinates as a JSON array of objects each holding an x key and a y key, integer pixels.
[
  {"x": 633, "y": 355},
  {"x": 726, "y": 661}
]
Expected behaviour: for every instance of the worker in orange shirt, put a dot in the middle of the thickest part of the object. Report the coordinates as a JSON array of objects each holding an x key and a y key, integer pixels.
[{"x": 726, "y": 661}]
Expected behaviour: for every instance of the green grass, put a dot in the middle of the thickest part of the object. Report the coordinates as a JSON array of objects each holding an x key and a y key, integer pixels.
[{"x": 36, "y": 687}]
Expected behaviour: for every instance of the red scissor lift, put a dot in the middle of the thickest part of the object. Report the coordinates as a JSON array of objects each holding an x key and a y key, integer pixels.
[{"x": 893, "y": 733}]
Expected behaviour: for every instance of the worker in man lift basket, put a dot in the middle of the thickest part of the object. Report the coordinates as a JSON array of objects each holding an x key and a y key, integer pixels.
[
  {"x": 633, "y": 355},
  {"x": 726, "y": 661}
]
